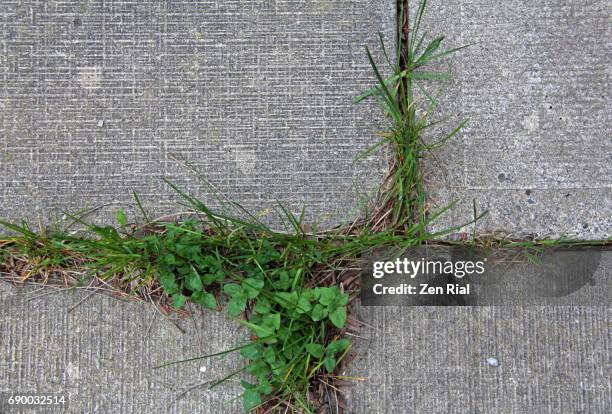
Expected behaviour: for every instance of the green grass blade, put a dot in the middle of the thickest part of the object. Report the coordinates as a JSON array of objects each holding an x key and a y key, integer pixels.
[
  {"x": 140, "y": 207},
  {"x": 390, "y": 100}
]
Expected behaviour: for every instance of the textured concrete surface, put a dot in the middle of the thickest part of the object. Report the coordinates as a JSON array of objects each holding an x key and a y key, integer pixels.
[
  {"x": 552, "y": 359},
  {"x": 96, "y": 96},
  {"x": 535, "y": 85},
  {"x": 433, "y": 360},
  {"x": 100, "y": 353}
]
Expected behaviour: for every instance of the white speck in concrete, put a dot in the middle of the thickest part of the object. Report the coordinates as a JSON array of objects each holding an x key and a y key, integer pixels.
[
  {"x": 90, "y": 77},
  {"x": 202, "y": 369},
  {"x": 72, "y": 371},
  {"x": 531, "y": 123},
  {"x": 245, "y": 160},
  {"x": 493, "y": 362},
  {"x": 101, "y": 123}
]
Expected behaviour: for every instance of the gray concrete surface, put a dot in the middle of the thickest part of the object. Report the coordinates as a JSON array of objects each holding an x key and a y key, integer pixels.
[
  {"x": 536, "y": 154},
  {"x": 551, "y": 359},
  {"x": 433, "y": 360},
  {"x": 95, "y": 96},
  {"x": 535, "y": 86},
  {"x": 100, "y": 354}
]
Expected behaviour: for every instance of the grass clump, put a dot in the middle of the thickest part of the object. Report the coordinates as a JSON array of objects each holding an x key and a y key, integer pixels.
[
  {"x": 409, "y": 104},
  {"x": 291, "y": 289}
]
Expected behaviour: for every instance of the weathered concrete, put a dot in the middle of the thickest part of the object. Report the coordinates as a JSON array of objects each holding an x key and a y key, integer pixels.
[
  {"x": 96, "y": 96},
  {"x": 535, "y": 87},
  {"x": 552, "y": 359},
  {"x": 100, "y": 353},
  {"x": 536, "y": 154},
  {"x": 433, "y": 360}
]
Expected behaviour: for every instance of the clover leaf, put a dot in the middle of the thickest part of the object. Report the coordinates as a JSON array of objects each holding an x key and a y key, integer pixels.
[
  {"x": 250, "y": 399},
  {"x": 205, "y": 299},
  {"x": 316, "y": 350}
]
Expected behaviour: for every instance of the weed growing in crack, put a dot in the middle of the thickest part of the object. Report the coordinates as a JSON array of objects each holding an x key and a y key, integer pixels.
[
  {"x": 292, "y": 290},
  {"x": 403, "y": 192}
]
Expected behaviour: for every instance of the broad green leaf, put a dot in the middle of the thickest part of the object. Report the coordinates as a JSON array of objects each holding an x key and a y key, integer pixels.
[
  {"x": 252, "y": 287},
  {"x": 338, "y": 317},
  {"x": 231, "y": 289},
  {"x": 169, "y": 259},
  {"x": 250, "y": 399},
  {"x": 342, "y": 299},
  {"x": 289, "y": 353},
  {"x": 264, "y": 386},
  {"x": 318, "y": 313},
  {"x": 237, "y": 305},
  {"x": 168, "y": 281},
  {"x": 272, "y": 321},
  {"x": 258, "y": 368},
  {"x": 178, "y": 300},
  {"x": 261, "y": 331},
  {"x": 316, "y": 350},
  {"x": 283, "y": 281},
  {"x": 309, "y": 294},
  {"x": 216, "y": 276},
  {"x": 205, "y": 299},
  {"x": 338, "y": 346},
  {"x": 193, "y": 281},
  {"x": 247, "y": 385},
  {"x": 269, "y": 355},
  {"x": 330, "y": 363},
  {"x": 286, "y": 299},
  {"x": 262, "y": 306},
  {"x": 279, "y": 368},
  {"x": 303, "y": 305},
  {"x": 327, "y": 295},
  {"x": 252, "y": 351}
]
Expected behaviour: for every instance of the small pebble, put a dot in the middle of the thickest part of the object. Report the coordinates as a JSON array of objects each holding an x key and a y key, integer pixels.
[
  {"x": 202, "y": 369},
  {"x": 494, "y": 362},
  {"x": 100, "y": 123}
]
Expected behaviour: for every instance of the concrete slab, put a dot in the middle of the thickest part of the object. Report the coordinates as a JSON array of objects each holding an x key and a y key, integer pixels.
[
  {"x": 434, "y": 360},
  {"x": 100, "y": 352},
  {"x": 96, "y": 96},
  {"x": 535, "y": 87},
  {"x": 487, "y": 359},
  {"x": 535, "y": 173}
]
